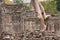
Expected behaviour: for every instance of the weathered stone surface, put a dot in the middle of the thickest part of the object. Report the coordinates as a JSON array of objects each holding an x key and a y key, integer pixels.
[{"x": 26, "y": 26}]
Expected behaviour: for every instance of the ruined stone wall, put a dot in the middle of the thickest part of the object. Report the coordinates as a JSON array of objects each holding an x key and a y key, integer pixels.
[
  {"x": 21, "y": 21},
  {"x": 27, "y": 26},
  {"x": 7, "y": 23}
]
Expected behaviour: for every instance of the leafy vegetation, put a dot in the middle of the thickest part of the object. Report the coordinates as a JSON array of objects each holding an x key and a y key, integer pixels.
[
  {"x": 50, "y": 6},
  {"x": 58, "y": 5},
  {"x": 26, "y": 6},
  {"x": 19, "y": 1}
]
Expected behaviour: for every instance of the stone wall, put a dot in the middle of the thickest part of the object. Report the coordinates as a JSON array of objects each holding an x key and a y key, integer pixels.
[{"x": 26, "y": 26}]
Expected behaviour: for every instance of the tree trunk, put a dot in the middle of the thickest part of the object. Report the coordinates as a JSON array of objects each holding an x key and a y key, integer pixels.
[
  {"x": 31, "y": 6},
  {"x": 37, "y": 8},
  {"x": 43, "y": 11}
]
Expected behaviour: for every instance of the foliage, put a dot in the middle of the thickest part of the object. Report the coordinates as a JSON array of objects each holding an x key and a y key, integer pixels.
[
  {"x": 19, "y": 1},
  {"x": 58, "y": 5},
  {"x": 26, "y": 6},
  {"x": 50, "y": 6}
]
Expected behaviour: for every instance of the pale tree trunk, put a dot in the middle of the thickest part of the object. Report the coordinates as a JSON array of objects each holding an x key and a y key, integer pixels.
[
  {"x": 31, "y": 8},
  {"x": 46, "y": 16},
  {"x": 37, "y": 8},
  {"x": 43, "y": 11}
]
